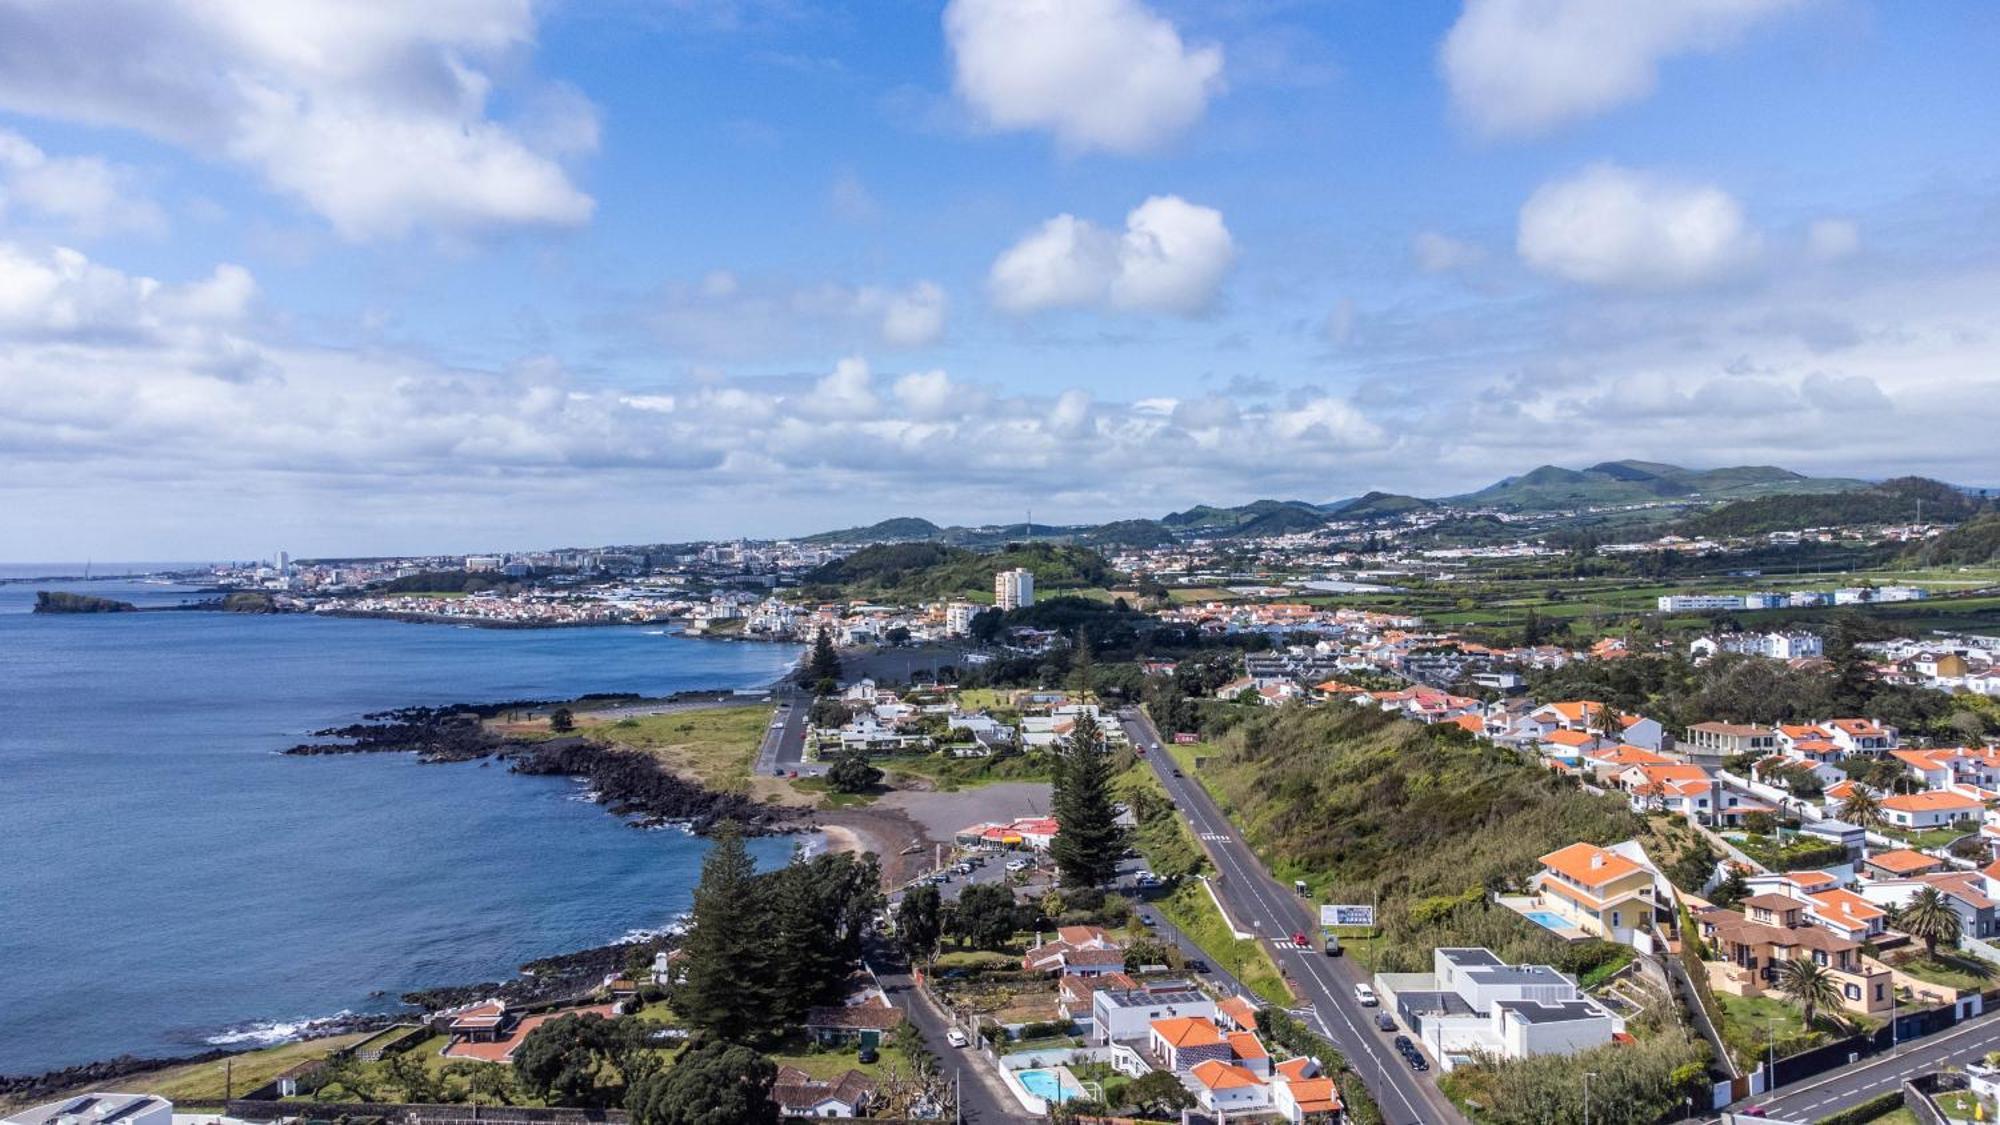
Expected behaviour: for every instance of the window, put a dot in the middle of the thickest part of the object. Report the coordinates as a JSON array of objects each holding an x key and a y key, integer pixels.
[
  {"x": 1854, "y": 992},
  {"x": 1878, "y": 992}
]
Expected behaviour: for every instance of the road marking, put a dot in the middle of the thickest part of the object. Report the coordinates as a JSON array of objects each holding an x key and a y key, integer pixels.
[{"x": 1215, "y": 837}]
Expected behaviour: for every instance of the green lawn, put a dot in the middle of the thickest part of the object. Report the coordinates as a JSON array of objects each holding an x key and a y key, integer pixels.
[
  {"x": 1952, "y": 970},
  {"x": 961, "y": 773},
  {"x": 832, "y": 1062},
  {"x": 716, "y": 746},
  {"x": 1959, "y": 1103},
  {"x": 1755, "y": 1026},
  {"x": 202, "y": 1083}
]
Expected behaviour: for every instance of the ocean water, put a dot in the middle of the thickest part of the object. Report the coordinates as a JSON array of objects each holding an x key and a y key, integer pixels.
[{"x": 169, "y": 882}]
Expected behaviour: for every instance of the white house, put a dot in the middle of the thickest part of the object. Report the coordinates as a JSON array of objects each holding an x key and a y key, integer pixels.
[
  {"x": 98, "y": 1109},
  {"x": 1474, "y": 1003},
  {"x": 1935, "y": 809},
  {"x": 1127, "y": 1014}
]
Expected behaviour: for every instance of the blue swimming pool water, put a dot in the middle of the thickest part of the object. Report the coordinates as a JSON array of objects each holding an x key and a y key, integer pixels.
[
  {"x": 1548, "y": 921},
  {"x": 1051, "y": 1086}
]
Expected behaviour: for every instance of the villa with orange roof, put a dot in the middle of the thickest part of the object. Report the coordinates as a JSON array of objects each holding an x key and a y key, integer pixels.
[
  {"x": 1223, "y": 1087},
  {"x": 1300, "y": 1090},
  {"x": 1935, "y": 809},
  {"x": 1902, "y": 863},
  {"x": 1597, "y": 890},
  {"x": 1181, "y": 1042}
]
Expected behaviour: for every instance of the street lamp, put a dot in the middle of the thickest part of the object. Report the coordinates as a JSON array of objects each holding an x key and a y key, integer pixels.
[{"x": 1587, "y": 1076}]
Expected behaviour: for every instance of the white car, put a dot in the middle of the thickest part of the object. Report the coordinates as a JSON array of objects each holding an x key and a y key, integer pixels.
[
  {"x": 1018, "y": 865},
  {"x": 955, "y": 1037},
  {"x": 1365, "y": 996}
]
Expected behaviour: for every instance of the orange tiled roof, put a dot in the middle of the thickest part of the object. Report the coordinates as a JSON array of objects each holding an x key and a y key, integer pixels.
[
  {"x": 1589, "y": 864},
  {"x": 1902, "y": 859},
  {"x": 1218, "y": 1075},
  {"x": 1935, "y": 801},
  {"x": 1187, "y": 1031}
]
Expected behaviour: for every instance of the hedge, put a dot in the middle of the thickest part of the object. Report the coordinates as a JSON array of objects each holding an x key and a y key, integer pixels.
[{"x": 1867, "y": 1111}]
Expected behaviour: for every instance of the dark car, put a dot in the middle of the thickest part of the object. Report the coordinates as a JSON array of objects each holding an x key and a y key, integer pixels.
[
  {"x": 867, "y": 1055},
  {"x": 1198, "y": 966},
  {"x": 1417, "y": 1062},
  {"x": 1403, "y": 1043},
  {"x": 1385, "y": 1022},
  {"x": 1177, "y": 773}
]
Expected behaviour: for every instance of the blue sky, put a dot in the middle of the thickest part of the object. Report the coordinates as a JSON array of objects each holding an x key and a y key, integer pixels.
[{"x": 495, "y": 274}]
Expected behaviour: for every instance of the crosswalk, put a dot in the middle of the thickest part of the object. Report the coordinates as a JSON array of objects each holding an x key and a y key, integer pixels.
[
  {"x": 1288, "y": 943},
  {"x": 1216, "y": 837}
]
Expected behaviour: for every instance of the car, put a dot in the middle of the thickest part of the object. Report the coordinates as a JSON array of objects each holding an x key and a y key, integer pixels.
[
  {"x": 1299, "y": 939},
  {"x": 1017, "y": 865},
  {"x": 1147, "y": 921},
  {"x": 1178, "y": 773},
  {"x": 1365, "y": 996},
  {"x": 955, "y": 1037},
  {"x": 1402, "y": 1042},
  {"x": 868, "y": 1055},
  {"x": 1384, "y": 1021},
  {"x": 1141, "y": 751},
  {"x": 1417, "y": 1062},
  {"x": 1198, "y": 966}
]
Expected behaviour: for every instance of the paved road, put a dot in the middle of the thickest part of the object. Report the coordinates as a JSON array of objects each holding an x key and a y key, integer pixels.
[
  {"x": 983, "y": 1100},
  {"x": 784, "y": 745},
  {"x": 1254, "y": 897},
  {"x": 1827, "y": 1094}
]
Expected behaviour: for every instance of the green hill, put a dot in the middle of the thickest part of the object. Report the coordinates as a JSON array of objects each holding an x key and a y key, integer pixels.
[
  {"x": 1637, "y": 482},
  {"x": 897, "y": 530},
  {"x": 1893, "y": 501},
  {"x": 1973, "y": 543},
  {"x": 1378, "y": 504},
  {"x": 1287, "y": 520},
  {"x": 909, "y": 572},
  {"x": 1129, "y": 533},
  {"x": 1206, "y": 519}
]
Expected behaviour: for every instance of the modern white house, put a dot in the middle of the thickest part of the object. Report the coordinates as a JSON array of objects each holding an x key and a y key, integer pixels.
[
  {"x": 98, "y": 1109},
  {"x": 1127, "y": 1015},
  {"x": 1473, "y": 1003}
]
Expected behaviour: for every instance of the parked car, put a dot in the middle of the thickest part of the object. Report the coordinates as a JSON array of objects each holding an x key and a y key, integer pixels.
[
  {"x": 1147, "y": 921},
  {"x": 1365, "y": 996},
  {"x": 1198, "y": 966},
  {"x": 1417, "y": 1061},
  {"x": 1017, "y": 865},
  {"x": 1402, "y": 1042},
  {"x": 1178, "y": 773},
  {"x": 955, "y": 1037},
  {"x": 1384, "y": 1021},
  {"x": 867, "y": 1056}
]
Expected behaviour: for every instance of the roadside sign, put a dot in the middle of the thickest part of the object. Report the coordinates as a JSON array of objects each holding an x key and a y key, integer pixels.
[
  {"x": 1355, "y": 914},
  {"x": 1183, "y": 738}
]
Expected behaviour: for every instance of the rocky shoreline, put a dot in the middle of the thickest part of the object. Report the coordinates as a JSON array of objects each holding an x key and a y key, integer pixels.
[{"x": 628, "y": 783}]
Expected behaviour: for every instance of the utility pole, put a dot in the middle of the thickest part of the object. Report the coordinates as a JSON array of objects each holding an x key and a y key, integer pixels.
[{"x": 1587, "y": 1076}]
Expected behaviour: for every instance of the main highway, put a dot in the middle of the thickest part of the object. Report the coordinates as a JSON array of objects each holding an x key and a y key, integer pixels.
[{"x": 1253, "y": 897}]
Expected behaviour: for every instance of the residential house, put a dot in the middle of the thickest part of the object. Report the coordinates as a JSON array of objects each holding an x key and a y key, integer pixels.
[
  {"x": 1900, "y": 863},
  {"x": 1300, "y": 1091},
  {"x": 1723, "y": 740},
  {"x": 1473, "y": 1003},
  {"x": 1862, "y": 736},
  {"x": 1936, "y": 809},
  {"x": 1225, "y": 1088},
  {"x": 799, "y": 1094},
  {"x": 1073, "y": 993},
  {"x": 1598, "y": 891},
  {"x": 1771, "y": 929},
  {"x": 1178, "y": 1043},
  {"x": 1076, "y": 951},
  {"x": 1126, "y": 1015},
  {"x": 866, "y": 1018}
]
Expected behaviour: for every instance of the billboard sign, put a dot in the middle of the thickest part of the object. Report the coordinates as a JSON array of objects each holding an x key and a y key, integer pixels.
[{"x": 1357, "y": 914}]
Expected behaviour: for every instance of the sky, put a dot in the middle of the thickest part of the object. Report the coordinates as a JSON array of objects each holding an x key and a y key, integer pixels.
[{"x": 347, "y": 279}]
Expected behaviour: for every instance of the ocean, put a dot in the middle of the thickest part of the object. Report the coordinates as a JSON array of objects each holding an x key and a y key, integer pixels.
[{"x": 169, "y": 882}]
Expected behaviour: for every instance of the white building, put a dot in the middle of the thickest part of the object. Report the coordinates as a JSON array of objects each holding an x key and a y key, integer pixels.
[
  {"x": 1127, "y": 1014},
  {"x": 1014, "y": 589},
  {"x": 98, "y": 1109},
  {"x": 958, "y": 617},
  {"x": 1474, "y": 1003}
]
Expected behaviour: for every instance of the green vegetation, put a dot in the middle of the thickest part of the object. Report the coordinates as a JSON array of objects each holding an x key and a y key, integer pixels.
[
  {"x": 897, "y": 529},
  {"x": 1424, "y": 821},
  {"x": 713, "y": 1082},
  {"x": 1087, "y": 849},
  {"x": 1637, "y": 482},
  {"x": 1883, "y": 1109},
  {"x": 1290, "y": 1035},
  {"x": 1948, "y": 970},
  {"x": 909, "y": 572},
  {"x": 58, "y": 601},
  {"x": 1190, "y": 908},
  {"x": 1753, "y": 1027},
  {"x": 716, "y": 746},
  {"x": 203, "y": 1083},
  {"x": 1214, "y": 522},
  {"x": 1635, "y": 1084},
  {"x": 1892, "y": 501},
  {"x": 762, "y": 949},
  {"x": 1975, "y": 543},
  {"x": 1373, "y": 504},
  {"x": 852, "y": 773}
]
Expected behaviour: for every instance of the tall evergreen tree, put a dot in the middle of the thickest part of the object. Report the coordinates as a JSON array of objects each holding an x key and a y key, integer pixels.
[
  {"x": 1088, "y": 841},
  {"x": 802, "y": 955},
  {"x": 725, "y": 990},
  {"x": 1082, "y": 666},
  {"x": 920, "y": 922},
  {"x": 824, "y": 664}
]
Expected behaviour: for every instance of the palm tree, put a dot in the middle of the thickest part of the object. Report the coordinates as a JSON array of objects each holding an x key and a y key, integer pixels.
[
  {"x": 1808, "y": 984},
  {"x": 1929, "y": 917},
  {"x": 1863, "y": 808}
]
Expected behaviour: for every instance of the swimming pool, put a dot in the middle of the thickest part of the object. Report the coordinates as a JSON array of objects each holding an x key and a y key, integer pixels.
[
  {"x": 1053, "y": 1085},
  {"x": 1547, "y": 921}
]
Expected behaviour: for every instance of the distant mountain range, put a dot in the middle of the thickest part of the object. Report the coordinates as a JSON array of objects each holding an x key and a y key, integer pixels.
[{"x": 1706, "y": 495}]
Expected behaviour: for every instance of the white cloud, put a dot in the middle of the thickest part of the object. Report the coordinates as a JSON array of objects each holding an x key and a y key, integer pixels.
[
  {"x": 373, "y": 115},
  {"x": 1099, "y": 74},
  {"x": 60, "y": 293},
  {"x": 1171, "y": 258},
  {"x": 1614, "y": 226},
  {"x": 915, "y": 316},
  {"x": 1441, "y": 253},
  {"x": 723, "y": 316},
  {"x": 1831, "y": 239},
  {"x": 1523, "y": 67},
  {"x": 86, "y": 193}
]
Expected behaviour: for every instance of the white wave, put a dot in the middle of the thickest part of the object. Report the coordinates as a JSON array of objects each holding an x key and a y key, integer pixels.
[
  {"x": 265, "y": 1033},
  {"x": 674, "y": 928}
]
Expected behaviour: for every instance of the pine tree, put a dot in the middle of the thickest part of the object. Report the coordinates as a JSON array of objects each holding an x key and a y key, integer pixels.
[
  {"x": 1088, "y": 840},
  {"x": 803, "y": 960},
  {"x": 824, "y": 664},
  {"x": 725, "y": 990}
]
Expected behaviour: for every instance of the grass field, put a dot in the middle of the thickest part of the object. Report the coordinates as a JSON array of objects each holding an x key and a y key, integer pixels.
[
  {"x": 716, "y": 746},
  {"x": 202, "y": 1083}
]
